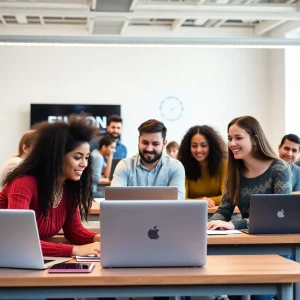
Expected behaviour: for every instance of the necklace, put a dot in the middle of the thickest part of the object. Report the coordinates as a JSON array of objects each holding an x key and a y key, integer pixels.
[{"x": 59, "y": 197}]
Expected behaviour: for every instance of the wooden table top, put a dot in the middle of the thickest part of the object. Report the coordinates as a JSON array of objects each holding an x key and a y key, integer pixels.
[
  {"x": 227, "y": 269},
  {"x": 253, "y": 239},
  {"x": 234, "y": 239},
  {"x": 95, "y": 209}
]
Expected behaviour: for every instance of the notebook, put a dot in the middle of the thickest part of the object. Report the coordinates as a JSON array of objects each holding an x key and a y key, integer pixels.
[
  {"x": 20, "y": 243},
  {"x": 273, "y": 213},
  {"x": 153, "y": 233},
  {"x": 141, "y": 193},
  {"x": 114, "y": 163}
]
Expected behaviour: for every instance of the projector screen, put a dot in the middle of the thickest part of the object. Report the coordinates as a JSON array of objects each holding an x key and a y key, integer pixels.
[{"x": 57, "y": 112}]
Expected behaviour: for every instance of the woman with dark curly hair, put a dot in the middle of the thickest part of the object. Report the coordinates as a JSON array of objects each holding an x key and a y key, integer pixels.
[
  {"x": 55, "y": 181},
  {"x": 203, "y": 154}
]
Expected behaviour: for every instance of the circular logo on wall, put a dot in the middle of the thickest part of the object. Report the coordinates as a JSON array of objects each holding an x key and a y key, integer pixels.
[{"x": 171, "y": 108}]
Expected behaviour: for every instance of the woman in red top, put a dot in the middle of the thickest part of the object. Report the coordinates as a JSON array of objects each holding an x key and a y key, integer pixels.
[{"x": 55, "y": 181}]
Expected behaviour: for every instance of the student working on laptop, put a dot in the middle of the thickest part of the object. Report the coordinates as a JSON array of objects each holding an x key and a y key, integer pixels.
[
  {"x": 253, "y": 168},
  {"x": 55, "y": 181},
  {"x": 203, "y": 155},
  {"x": 150, "y": 167},
  {"x": 102, "y": 168},
  {"x": 289, "y": 150}
]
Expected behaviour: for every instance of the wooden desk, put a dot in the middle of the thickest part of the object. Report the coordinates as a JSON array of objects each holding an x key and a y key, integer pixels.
[
  {"x": 253, "y": 274},
  {"x": 244, "y": 244},
  {"x": 95, "y": 211}
]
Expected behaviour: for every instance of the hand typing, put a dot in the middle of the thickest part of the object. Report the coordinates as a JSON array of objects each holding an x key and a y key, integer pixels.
[
  {"x": 212, "y": 225},
  {"x": 85, "y": 250}
]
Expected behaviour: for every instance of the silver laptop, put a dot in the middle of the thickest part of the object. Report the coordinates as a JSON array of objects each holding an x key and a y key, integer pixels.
[
  {"x": 20, "y": 243},
  {"x": 153, "y": 233},
  {"x": 141, "y": 193},
  {"x": 274, "y": 213}
]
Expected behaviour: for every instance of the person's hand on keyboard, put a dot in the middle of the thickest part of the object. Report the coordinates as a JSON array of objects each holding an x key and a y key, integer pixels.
[
  {"x": 85, "y": 250},
  {"x": 212, "y": 225}
]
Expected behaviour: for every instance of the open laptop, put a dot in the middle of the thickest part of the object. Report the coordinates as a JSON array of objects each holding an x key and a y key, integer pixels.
[
  {"x": 141, "y": 193},
  {"x": 153, "y": 233},
  {"x": 20, "y": 243},
  {"x": 273, "y": 213},
  {"x": 114, "y": 163}
]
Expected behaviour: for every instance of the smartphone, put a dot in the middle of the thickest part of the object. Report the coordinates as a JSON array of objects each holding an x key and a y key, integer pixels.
[{"x": 72, "y": 268}]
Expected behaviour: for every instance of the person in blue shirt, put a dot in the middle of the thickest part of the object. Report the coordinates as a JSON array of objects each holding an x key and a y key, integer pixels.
[
  {"x": 150, "y": 167},
  {"x": 114, "y": 129},
  {"x": 102, "y": 161},
  {"x": 288, "y": 151}
]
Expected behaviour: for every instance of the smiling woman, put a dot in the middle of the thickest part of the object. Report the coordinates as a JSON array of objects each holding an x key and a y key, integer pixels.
[
  {"x": 55, "y": 181},
  {"x": 203, "y": 154},
  {"x": 253, "y": 168}
]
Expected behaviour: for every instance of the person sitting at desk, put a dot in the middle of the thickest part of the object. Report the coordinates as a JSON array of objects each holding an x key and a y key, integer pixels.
[
  {"x": 25, "y": 146},
  {"x": 55, "y": 181},
  {"x": 172, "y": 149},
  {"x": 253, "y": 168},
  {"x": 151, "y": 167},
  {"x": 107, "y": 148},
  {"x": 203, "y": 153},
  {"x": 288, "y": 151},
  {"x": 114, "y": 129}
]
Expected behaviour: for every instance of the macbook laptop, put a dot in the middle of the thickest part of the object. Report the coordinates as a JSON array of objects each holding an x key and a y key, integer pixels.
[
  {"x": 141, "y": 193},
  {"x": 274, "y": 213},
  {"x": 114, "y": 163},
  {"x": 153, "y": 233},
  {"x": 20, "y": 243}
]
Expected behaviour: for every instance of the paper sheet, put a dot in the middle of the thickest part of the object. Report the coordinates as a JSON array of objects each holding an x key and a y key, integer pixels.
[{"x": 223, "y": 232}]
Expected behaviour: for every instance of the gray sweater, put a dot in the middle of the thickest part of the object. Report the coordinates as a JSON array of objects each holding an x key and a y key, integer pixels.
[{"x": 275, "y": 180}]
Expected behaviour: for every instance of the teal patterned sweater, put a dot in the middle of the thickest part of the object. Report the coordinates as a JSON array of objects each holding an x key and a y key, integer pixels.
[{"x": 275, "y": 180}]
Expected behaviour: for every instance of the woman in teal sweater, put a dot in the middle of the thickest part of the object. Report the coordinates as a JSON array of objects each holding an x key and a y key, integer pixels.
[{"x": 253, "y": 168}]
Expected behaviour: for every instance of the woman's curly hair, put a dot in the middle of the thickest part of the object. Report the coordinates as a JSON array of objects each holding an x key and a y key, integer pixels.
[
  {"x": 46, "y": 161},
  {"x": 217, "y": 152}
]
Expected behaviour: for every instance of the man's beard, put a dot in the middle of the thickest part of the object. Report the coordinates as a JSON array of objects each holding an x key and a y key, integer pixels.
[
  {"x": 116, "y": 136},
  {"x": 155, "y": 158}
]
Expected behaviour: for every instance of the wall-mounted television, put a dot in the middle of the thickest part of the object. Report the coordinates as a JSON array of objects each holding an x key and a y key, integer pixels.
[{"x": 57, "y": 112}]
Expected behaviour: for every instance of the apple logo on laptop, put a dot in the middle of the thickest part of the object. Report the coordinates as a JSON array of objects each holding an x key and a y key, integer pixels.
[
  {"x": 280, "y": 214},
  {"x": 153, "y": 233}
]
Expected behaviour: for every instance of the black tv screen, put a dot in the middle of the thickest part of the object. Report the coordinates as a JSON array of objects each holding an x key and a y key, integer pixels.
[{"x": 57, "y": 112}]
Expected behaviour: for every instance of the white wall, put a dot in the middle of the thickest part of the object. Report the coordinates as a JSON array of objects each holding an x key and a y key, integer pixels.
[
  {"x": 215, "y": 85},
  {"x": 292, "y": 82},
  {"x": 277, "y": 102}
]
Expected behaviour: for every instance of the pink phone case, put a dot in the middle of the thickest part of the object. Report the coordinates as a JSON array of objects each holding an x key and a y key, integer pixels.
[{"x": 89, "y": 270}]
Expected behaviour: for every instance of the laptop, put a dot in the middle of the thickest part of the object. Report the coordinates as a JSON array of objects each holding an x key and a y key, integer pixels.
[
  {"x": 114, "y": 163},
  {"x": 20, "y": 243},
  {"x": 273, "y": 213},
  {"x": 153, "y": 233},
  {"x": 141, "y": 193}
]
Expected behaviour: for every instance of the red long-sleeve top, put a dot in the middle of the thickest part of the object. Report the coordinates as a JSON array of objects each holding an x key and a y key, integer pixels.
[{"x": 22, "y": 193}]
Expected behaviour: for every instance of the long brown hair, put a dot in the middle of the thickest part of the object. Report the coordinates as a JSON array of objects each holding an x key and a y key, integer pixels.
[{"x": 262, "y": 150}]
